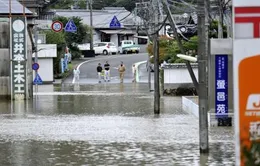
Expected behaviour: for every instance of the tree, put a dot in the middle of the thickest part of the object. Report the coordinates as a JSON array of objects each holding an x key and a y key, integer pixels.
[
  {"x": 213, "y": 29},
  {"x": 168, "y": 49},
  {"x": 59, "y": 39},
  {"x": 71, "y": 40}
]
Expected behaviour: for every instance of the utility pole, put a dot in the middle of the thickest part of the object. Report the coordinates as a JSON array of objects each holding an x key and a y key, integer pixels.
[
  {"x": 87, "y": 4},
  {"x": 200, "y": 86},
  {"x": 202, "y": 60},
  {"x": 156, "y": 58},
  {"x": 221, "y": 17},
  {"x": 91, "y": 25},
  {"x": 36, "y": 51},
  {"x": 156, "y": 75}
]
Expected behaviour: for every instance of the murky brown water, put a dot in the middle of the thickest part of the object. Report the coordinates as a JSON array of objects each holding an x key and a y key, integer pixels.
[{"x": 105, "y": 125}]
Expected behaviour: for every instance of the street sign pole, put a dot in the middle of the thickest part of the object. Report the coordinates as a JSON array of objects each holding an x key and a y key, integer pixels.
[
  {"x": 91, "y": 25},
  {"x": 36, "y": 53}
]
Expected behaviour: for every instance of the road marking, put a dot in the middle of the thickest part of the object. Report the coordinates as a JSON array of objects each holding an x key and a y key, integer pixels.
[{"x": 93, "y": 60}]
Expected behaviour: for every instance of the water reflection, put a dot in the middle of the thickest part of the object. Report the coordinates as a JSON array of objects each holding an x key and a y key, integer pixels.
[{"x": 128, "y": 153}]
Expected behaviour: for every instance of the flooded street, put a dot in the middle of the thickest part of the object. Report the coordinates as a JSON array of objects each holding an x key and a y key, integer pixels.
[{"x": 105, "y": 124}]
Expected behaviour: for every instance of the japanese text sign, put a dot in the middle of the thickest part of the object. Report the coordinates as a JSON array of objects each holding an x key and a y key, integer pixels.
[
  {"x": 221, "y": 88},
  {"x": 18, "y": 56}
]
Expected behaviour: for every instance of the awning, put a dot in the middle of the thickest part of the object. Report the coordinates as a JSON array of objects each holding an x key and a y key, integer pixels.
[{"x": 119, "y": 31}]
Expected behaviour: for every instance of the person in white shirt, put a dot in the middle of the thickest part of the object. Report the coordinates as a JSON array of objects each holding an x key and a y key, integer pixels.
[
  {"x": 76, "y": 73},
  {"x": 134, "y": 73}
]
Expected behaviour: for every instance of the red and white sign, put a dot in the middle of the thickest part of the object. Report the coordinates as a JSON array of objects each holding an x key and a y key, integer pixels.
[
  {"x": 247, "y": 19},
  {"x": 246, "y": 60},
  {"x": 57, "y": 26}
]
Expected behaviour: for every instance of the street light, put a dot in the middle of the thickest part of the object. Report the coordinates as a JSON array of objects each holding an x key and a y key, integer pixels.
[{"x": 187, "y": 57}]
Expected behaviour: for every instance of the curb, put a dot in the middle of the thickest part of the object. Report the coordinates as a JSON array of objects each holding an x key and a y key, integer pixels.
[{"x": 137, "y": 70}]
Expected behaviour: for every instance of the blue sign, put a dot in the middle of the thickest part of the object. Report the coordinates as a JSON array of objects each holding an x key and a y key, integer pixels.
[
  {"x": 37, "y": 79},
  {"x": 115, "y": 23},
  {"x": 35, "y": 66},
  {"x": 70, "y": 26},
  {"x": 221, "y": 85}
]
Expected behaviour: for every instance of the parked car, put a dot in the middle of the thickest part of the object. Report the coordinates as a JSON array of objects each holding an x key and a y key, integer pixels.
[
  {"x": 128, "y": 46},
  {"x": 105, "y": 48}
]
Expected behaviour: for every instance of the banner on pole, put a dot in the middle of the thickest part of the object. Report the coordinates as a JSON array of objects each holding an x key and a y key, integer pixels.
[
  {"x": 18, "y": 56},
  {"x": 221, "y": 88}
]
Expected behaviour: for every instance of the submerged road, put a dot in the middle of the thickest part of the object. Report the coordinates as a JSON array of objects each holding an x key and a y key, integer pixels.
[{"x": 105, "y": 124}]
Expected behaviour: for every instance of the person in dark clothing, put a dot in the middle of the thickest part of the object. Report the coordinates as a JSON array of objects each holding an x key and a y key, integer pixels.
[
  {"x": 107, "y": 71},
  {"x": 99, "y": 71}
]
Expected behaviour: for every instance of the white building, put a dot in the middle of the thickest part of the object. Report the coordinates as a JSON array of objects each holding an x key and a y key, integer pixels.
[{"x": 46, "y": 53}]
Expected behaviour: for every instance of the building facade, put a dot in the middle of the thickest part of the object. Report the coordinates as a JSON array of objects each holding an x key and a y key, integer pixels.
[{"x": 101, "y": 23}]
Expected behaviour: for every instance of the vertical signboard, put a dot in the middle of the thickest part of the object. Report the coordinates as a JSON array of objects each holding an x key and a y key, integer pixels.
[
  {"x": 18, "y": 57},
  {"x": 246, "y": 60},
  {"x": 221, "y": 88}
]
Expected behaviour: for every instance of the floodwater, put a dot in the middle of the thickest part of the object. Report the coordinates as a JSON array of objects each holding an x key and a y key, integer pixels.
[{"x": 107, "y": 124}]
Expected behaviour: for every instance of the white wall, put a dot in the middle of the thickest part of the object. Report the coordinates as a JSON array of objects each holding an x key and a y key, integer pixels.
[
  {"x": 46, "y": 69},
  {"x": 96, "y": 36},
  {"x": 190, "y": 106},
  {"x": 46, "y": 50},
  {"x": 178, "y": 75},
  {"x": 114, "y": 39}
]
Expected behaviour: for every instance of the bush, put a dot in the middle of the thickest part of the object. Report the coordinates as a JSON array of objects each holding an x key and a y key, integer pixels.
[{"x": 168, "y": 49}]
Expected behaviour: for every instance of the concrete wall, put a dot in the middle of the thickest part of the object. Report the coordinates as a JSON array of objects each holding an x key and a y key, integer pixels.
[
  {"x": 114, "y": 39},
  {"x": 45, "y": 60},
  {"x": 190, "y": 105},
  {"x": 4, "y": 35},
  {"x": 5, "y": 88},
  {"x": 5, "y": 84},
  {"x": 178, "y": 75},
  {"x": 96, "y": 36},
  {"x": 46, "y": 70}
]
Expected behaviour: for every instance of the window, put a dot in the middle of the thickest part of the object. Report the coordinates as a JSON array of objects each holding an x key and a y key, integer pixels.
[
  {"x": 127, "y": 42},
  {"x": 105, "y": 37},
  {"x": 111, "y": 44},
  {"x": 102, "y": 44},
  {"x": 142, "y": 41}
]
